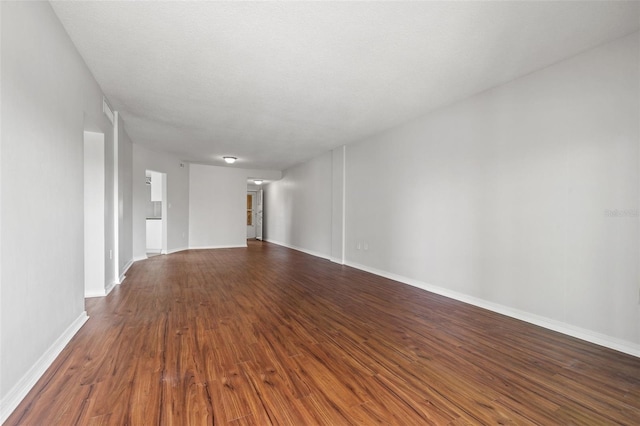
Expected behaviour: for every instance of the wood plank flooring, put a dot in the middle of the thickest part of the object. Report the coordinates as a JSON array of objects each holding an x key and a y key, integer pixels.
[{"x": 267, "y": 335}]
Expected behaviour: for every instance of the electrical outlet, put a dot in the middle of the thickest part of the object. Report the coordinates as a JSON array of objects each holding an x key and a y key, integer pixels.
[
  {"x": 110, "y": 254},
  {"x": 358, "y": 246},
  {"x": 366, "y": 246}
]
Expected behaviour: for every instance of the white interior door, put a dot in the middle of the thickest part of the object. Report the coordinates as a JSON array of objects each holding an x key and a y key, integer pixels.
[{"x": 251, "y": 214}]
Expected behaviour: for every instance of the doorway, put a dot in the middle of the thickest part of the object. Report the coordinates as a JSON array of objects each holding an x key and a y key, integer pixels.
[
  {"x": 259, "y": 210},
  {"x": 156, "y": 213},
  {"x": 251, "y": 214}
]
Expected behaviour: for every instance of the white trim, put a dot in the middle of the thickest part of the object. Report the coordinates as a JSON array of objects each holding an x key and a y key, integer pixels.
[
  {"x": 110, "y": 287},
  {"x": 106, "y": 109},
  {"x": 16, "y": 394},
  {"x": 217, "y": 247},
  {"x": 561, "y": 327},
  {"x": 137, "y": 259},
  {"x": 126, "y": 268},
  {"x": 105, "y": 292},
  {"x": 336, "y": 260},
  {"x": 311, "y": 252},
  {"x": 177, "y": 250}
]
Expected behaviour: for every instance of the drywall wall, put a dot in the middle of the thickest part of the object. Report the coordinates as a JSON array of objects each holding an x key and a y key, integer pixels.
[
  {"x": 49, "y": 98},
  {"x": 217, "y": 197},
  {"x": 94, "y": 197},
  {"x": 338, "y": 165},
  {"x": 111, "y": 277},
  {"x": 177, "y": 186},
  {"x": 125, "y": 199},
  {"x": 217, "y": 204},
  {"x": 298, "y": 208},
  {"x": 524, "y": 196}
]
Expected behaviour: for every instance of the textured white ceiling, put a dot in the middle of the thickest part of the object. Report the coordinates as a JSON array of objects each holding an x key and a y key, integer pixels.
[{"x": 276, "y": 83}]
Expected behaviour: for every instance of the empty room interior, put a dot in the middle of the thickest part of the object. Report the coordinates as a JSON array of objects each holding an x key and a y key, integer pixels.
[{"x": 319, "y": 213}]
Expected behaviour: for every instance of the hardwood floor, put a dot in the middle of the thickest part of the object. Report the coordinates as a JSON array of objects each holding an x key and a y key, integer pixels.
[{"x": 268, "y": 335}]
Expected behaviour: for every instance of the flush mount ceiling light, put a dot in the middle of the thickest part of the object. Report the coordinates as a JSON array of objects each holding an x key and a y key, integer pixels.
[
  {"x": 229, "y": 160},
  {"x": 258, "y": 181}
]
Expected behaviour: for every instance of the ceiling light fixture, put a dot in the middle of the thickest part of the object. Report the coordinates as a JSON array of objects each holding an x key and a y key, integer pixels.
[
  {"x": 229, "y": 160},
  {"x": 258, "y": 181}
]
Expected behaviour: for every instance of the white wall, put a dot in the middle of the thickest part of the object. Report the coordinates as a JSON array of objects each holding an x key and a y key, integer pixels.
[
  {"x": 502, "y": 197},
  {"x": 298, "y": 208},
  {"x": 217, "y": 197},
  {"x": 111, "y": 276},
  {"x": 177, "y": 219},
  {"x": 125, "y": 199},
  {"x": 94, "y": 197},
  {"x": 217, "y": 205},
  {"x": 49, "y": 98},
  {"x": 503, "y": 200},
  {"x": 338, "y": 166}
]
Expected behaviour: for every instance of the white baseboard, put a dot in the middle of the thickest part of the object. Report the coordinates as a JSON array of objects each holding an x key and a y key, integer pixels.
[
  {"x": 24, "y": 385},
  {"x": 103, "y": 293},
  {"x": 175, "y": 250},
  {"x": 179, "y": 249},
  {"x": 311, "y": 252},
  {"x": 126, "y": 268},
  {"x": 110, "y": 287},
  {"x": 95, "y": 294},
  {"x": 561, "y": 327},
  {"x": 217, "y": 247}
]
